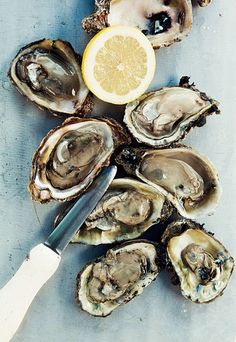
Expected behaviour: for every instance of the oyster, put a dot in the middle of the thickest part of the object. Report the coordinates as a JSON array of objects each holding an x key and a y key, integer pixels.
[
  {"x": 162, "y": 21},
  {"x": 165, "y": 116},
  {"x": 48, "y": 73},
  {"x": 201, "y": 262},
  {"x": 185, "y": 177},
  {"x": 118, "y": 277},
  {"x": 126, "y": 211},
  {"x": 71, "y": 155}
]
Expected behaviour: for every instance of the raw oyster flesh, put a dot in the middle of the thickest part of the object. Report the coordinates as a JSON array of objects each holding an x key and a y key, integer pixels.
[
  {"x": 165, "y": 116},
  {"x": 127, "y": 210},
  {"x": 185, "y": 177},
  {"x": 71, "y": 155},
  {"x": 118, "y": 277},
  {"x": 48, "y": 73},
  {"x": 201, "y": 262}
]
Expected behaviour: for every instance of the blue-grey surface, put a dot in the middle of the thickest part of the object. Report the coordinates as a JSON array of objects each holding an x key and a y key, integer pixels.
[{"x": 161, "y": 313}]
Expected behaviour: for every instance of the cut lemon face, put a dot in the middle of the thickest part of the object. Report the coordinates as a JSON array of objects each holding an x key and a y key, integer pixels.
[{"x": 118, "y": 64}]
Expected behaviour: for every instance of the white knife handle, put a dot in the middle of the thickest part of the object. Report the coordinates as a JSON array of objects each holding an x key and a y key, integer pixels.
[{"x": 17, "y": 295}]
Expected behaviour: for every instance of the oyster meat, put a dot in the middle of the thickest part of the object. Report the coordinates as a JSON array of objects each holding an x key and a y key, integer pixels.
[
  {"x": 48, "y": 73},
  {"x": 127, "y": 210},
  {"x": 162, "y": 21},
  {"x": 118, "y": 277},
  {"x": 185, "y": 177},
  {"x": 71, "y": 155},
  {"x": 201, "y": 262},
  {"x": 165, "y": 116}
]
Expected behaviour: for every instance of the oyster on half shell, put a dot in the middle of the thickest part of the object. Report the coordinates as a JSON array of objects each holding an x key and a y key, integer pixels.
[
  {"x": 165, "y": 116},
  {"x": 185, "y": 177},
  {"x": 71, "y": 155},
  {"x": 118, "y": 277},
  {"x": 201, "y": 262},
  {"x": 48, "y": 73},
  {"x": 162, "y": 21},
  {"x": 126, "y": 211}
]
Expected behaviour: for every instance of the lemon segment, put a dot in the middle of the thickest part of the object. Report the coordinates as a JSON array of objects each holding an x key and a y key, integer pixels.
[{"x": 118, "y": 64}]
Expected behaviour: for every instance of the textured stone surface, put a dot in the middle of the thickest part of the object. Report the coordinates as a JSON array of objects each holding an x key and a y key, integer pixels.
[{"x": 161, "y": 313}]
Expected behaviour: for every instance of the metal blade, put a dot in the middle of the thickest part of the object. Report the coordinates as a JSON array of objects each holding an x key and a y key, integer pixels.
[{"x": 66, "y": 229}]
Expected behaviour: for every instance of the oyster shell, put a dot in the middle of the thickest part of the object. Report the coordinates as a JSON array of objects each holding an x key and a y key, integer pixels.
[
  {"x": 201, "y": 262},
  {"x": 71, "y": 155},
  {"x": 126, "y": 211},
  {"x": 118, "y": 277},
  {"x": 48, "y": 73},
  {"x": 165, "y": 116},
  {"x": 184, "y": 176},
  {"x": 163, "y": 22}
]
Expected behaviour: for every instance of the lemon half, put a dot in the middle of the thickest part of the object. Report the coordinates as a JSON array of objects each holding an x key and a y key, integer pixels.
[{"x": 118, "y": 64}]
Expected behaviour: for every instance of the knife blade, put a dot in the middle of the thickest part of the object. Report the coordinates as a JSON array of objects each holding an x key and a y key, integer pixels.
[{"x": 73, "y": 220}]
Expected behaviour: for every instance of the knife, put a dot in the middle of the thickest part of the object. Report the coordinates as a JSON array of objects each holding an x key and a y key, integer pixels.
[{"x": 43, "y": 260}]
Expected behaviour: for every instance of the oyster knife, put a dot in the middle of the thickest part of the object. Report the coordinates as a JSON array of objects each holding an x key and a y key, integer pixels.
[{"x": 43, "y": 260}]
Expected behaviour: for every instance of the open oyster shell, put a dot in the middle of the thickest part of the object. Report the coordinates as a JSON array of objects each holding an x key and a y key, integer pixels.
[
  {"x": 118, "y": 277},
  {"x": 201, "y": 262},
  {"x": 48, "y": 73},
  {"x": 185, "y": 177},
  {"x": 165, "y": 116},
  {"x": 71, "y": 155},
  {"x": 126, "y": 211},
  {"x": 162, "y": 21}
]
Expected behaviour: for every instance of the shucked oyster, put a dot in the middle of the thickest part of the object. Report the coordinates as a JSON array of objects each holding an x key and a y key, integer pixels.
[
  {"x": 162, "y": 21},
  {"x": 165, "y": 116},
  {"x": 127, "y": 210},
  {"x": 185, "y": 177},
  {"x": 118, "y": 277},
  {"x": 48, "y": 73},
  {"x": 201, "y": 262},
  {"x": 71, "y": 155}
]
